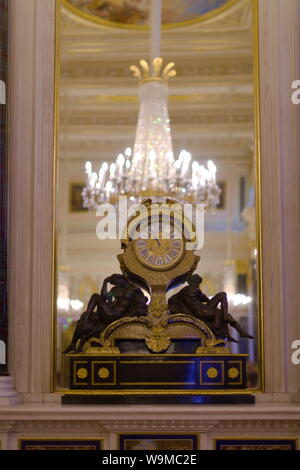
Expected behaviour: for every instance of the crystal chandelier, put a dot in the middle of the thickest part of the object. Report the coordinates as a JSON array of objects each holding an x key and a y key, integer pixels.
[{"x": 151, "y": 170}]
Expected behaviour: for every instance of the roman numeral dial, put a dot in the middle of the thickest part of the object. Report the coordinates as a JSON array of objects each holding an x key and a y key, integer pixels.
[{"x": 159, "y": 253}]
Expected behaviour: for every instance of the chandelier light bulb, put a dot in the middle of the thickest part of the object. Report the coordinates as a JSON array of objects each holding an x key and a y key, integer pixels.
[
  {"x": 102, "y": 173},
  {"x": 185, "y": 164},
  {"x": 93, "y": 179},
  {"x": 128, "y": 152},
  {"x": 88, "y": 168},
  {"x": 202, "y": 175},
  {"x": 212, "y": 169},
  {"x": 104, "y": 167},
  {"x": 120, "y": 160},
  {"x": 112, "y": 170}
]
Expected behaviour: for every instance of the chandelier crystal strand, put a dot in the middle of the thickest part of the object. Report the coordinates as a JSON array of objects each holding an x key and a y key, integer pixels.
[
  {"x": 151, "y": 169},
  {"x": 152, "y": 151}
]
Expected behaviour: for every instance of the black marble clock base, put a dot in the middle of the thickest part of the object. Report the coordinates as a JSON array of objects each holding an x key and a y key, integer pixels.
[
  {"x": 158, "y": 379},
  {"x": 82, "y": 399}
]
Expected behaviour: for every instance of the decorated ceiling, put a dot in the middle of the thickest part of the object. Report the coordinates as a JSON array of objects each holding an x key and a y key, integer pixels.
[{"x": 135, "y": 13}]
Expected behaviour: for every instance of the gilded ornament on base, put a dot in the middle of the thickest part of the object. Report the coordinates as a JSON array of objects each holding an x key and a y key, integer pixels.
[
  {"x": 82, "y": 373},
  {"x": 212, "y": 373},
  {"x": 103, "y": 373},
  {"x": 233, "y": 373}
]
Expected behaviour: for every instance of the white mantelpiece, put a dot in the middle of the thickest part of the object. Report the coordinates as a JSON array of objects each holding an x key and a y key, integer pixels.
[{"x": 208, "y": 422}]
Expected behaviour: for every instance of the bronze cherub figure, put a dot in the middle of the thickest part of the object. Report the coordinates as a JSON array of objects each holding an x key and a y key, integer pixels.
[
  {"x": 192, "y": 301},
  {"x": 123, "y": 300}
]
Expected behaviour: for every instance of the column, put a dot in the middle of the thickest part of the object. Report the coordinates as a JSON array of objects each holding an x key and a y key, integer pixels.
[
  {"x": 31, "y": 190},
  {"x": 8, "y": 394},
  {"x": 279, "y": 26}
]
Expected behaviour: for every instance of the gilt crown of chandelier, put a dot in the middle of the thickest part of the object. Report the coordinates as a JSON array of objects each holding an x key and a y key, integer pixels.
[{"x": 150, "y": 169}]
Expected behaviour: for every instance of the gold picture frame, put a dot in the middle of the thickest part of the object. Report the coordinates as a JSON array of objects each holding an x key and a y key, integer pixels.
[
  {"x": 72, "y": 443},
  {"x": 261, "y": 376},
  {"x": 146, "y": 441},
  {"x": 255, "y": 443}
]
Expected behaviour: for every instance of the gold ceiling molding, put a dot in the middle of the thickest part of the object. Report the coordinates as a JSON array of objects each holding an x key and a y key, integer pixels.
[
  {"x": 215, "y": 13},
  {"x": 237, "y": 98},
  {"x": 86, "y": 119},
  {"x": 185, "y": 69}
]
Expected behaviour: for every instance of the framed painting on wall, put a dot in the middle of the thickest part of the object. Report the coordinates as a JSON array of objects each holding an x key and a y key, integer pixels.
[
  {"x": 60, "y": 444},
  {"x": 76, "y": 202},
  {"x": 222, "y": 201},
  {"x": 255, "y": 444}
]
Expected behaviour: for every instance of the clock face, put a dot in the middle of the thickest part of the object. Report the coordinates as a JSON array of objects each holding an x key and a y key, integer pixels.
[
  {"x": 158, "y": 253},
  {"x": 158, "y": 249}
]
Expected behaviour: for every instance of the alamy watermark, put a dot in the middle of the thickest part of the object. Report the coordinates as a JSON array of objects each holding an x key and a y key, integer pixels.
[
  {"x": 2, "y": 352},
  {"x": 296, "y": 94},
  {"x": 154, "y": 221},
  {"x": 2, "y": 92},
  {"x": 296, "y": 354}
]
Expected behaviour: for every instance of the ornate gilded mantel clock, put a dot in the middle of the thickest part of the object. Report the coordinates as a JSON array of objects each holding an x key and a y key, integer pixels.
[{"x": 138, "y": 343}]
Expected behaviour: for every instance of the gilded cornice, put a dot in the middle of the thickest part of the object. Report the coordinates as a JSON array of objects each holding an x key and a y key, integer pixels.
[
  {"x": 96, "y": 424},
  {"x": 71, "y": 70}
]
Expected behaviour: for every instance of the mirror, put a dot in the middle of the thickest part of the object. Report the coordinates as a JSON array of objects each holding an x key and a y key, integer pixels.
[{"x": 213, "y": 116}]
